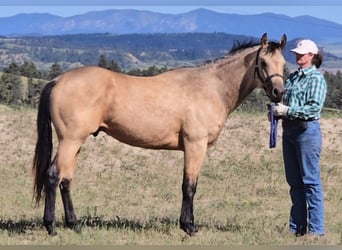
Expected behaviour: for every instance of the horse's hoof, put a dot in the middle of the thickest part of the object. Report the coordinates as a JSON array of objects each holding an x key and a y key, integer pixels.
[
  {"x": 51, "y": 230},
  {"x": 78, "y": 228},
  {"x": 189, "y": 228}
]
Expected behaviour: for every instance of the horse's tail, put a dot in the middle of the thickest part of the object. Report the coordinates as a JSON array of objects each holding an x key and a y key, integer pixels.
[{"x": 42, "y": 156}]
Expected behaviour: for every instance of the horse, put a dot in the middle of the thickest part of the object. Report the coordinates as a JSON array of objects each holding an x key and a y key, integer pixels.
[{"x": 181, "y": 109}]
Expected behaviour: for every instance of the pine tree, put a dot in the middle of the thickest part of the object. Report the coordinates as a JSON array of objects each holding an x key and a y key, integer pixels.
[
  {"x": 103, "y": 63},
  {"x": 54, "y": 71}
]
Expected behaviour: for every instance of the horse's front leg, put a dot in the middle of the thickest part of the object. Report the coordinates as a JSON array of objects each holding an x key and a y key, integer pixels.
[
  {"x": 187, "y": 217},
  {"x": 51, "y": 184},
  {"x": 194, "y": 153}
]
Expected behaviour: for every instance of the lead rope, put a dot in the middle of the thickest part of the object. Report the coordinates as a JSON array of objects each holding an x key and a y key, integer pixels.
[{"x": 274, "y": 126}]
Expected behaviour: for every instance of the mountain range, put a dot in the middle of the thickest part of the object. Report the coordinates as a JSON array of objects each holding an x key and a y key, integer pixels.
[{"x": 199, "y": 20}]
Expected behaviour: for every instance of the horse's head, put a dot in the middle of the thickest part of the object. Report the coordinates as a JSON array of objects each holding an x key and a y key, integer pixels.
[{"x": 269, "y": 67}]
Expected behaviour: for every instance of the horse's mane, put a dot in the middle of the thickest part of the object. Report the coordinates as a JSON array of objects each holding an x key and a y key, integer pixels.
[{"x": 238, "y": 47}]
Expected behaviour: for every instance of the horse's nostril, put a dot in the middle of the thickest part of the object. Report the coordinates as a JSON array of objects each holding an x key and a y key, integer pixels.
[
  {"x": 278, "y": 93},
  {"x": 275, "y": 92}
]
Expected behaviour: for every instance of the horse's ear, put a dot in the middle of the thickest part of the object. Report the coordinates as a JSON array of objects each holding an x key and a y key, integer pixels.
[
  {"x": 264, "y": 40},
  {"x": 283, "y": 41}
]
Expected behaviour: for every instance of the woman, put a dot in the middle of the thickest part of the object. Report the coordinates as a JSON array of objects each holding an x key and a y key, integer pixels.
[{"x": 303, "y": 102}]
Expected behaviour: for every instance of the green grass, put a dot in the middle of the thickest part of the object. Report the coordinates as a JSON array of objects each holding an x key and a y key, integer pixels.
[{"x": 126, "y": 195}]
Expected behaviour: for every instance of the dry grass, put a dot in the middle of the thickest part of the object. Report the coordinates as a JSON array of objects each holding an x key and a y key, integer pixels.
[{"x": 127, "y": 195}]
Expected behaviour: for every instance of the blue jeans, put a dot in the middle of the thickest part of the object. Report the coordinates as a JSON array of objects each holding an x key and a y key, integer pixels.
[{"x": 301, "y": 153}]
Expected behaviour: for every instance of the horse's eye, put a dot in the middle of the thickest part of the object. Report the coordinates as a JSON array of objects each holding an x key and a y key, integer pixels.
[{"x": 263, "y": 64}]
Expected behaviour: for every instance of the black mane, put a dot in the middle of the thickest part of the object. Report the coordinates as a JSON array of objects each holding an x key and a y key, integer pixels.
[{"x": 237, "y": 46}]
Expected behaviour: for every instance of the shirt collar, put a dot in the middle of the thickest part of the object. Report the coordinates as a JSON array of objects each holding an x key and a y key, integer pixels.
[{"x": 306, "y": 70}]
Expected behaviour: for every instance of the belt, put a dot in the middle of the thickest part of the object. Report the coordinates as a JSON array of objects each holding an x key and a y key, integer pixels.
[
  {"x": 300, "y": 120},
  {"x": 301, "y": 123}
]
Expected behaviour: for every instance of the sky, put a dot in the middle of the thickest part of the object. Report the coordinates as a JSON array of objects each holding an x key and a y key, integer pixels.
[{"x": 326, "y": 9}]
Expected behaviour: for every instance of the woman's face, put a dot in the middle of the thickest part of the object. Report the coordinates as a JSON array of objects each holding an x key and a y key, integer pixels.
[{"x": 304, "y": 60}]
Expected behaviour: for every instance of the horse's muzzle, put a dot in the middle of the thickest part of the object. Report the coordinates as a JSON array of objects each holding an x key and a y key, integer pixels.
[
  {"x": 277, "y": 94},
  {"x": 275, "y": 87}
]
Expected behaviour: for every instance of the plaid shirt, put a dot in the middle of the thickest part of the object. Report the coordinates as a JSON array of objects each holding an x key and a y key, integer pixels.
[{"x": 305, "y": 93}]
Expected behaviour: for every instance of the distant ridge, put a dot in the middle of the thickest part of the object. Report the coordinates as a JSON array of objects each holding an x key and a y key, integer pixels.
[{"x": 132, "y": 21}]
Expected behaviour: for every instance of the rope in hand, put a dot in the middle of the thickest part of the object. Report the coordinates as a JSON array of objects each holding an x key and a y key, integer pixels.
[{"x": 274, "y": 125}]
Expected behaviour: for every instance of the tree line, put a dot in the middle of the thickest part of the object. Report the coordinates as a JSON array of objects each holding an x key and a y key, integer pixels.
[{"x": 21, "y": 85}]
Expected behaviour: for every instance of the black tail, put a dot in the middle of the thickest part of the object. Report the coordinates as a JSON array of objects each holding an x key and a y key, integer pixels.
[{"x": 42, "y": 157}]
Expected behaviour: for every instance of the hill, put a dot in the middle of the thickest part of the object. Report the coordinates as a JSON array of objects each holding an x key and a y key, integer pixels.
[
  {"x": 129, "y": 50},
  {"x": 133, "y": 51},
  {"x": 200, "y": 20}
]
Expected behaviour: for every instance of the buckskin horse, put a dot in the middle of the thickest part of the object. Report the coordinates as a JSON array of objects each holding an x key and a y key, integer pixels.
[{"x": 181, "y": 109}]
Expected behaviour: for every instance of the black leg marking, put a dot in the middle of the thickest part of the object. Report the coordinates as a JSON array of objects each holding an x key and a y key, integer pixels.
[
  {"x": 187, "y": 217},
  {"x": 50, "y": 199},
  {"x": 70, "y": 216}
]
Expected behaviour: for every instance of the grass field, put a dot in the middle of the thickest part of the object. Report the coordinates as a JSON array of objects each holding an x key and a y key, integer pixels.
[{"x": 127, "y": 195}]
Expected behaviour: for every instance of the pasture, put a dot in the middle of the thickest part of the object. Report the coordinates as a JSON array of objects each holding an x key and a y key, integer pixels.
[{"x": 128, "y": 195}]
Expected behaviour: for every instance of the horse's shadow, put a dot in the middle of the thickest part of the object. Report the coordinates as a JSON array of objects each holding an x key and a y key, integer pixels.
[
  {"x": 21, "y": 226},
  {"x": 164, "y": 224}
]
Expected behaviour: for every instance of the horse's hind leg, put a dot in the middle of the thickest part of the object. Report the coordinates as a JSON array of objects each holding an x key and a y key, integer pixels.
[
  {"x": 50, "y": 198},
  {"x": 70, "y": 216},
  {"x": 67, "y": 159},
  {"x": 61, "y": 172},
  {"x": 193, "y": 157}
]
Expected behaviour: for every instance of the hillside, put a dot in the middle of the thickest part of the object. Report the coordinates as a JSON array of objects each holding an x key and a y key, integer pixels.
[
  {"x": 131, "y": 21},
  {"x": 133, "y": 51},
  {"x": 129, "y": 51}
]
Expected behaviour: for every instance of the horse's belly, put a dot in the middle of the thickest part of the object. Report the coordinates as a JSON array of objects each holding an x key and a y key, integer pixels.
[{"x": 145, "y": 136}]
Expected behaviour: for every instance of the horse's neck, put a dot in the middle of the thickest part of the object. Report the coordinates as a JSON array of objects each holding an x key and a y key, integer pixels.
[{"x": 236, "y": 74}]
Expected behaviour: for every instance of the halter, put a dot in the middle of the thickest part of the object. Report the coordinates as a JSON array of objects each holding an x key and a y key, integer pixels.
[
  {"x": 257, "y": 71},
  {"x": 273, "y": 119}
]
